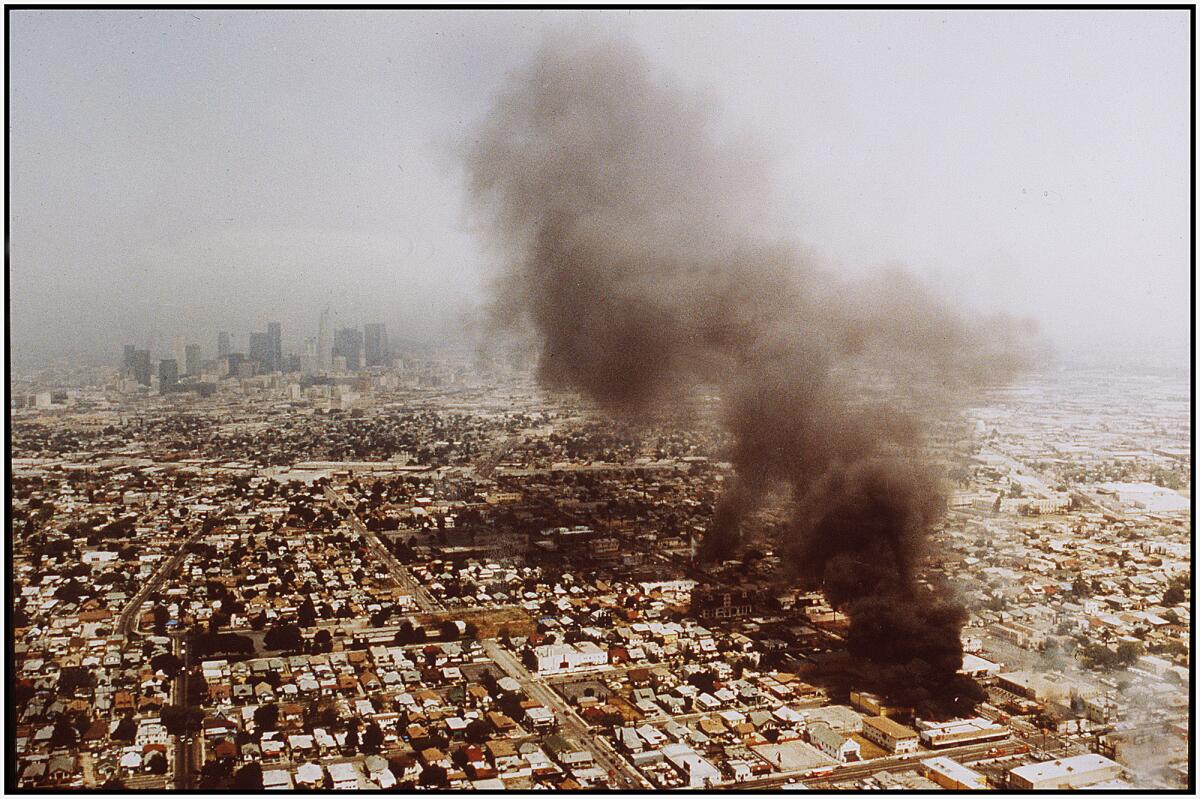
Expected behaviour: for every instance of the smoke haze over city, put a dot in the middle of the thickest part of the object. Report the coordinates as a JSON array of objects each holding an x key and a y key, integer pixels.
[
  {"x": 593, "y": 400},
  {"x": 177, "y": 174}
]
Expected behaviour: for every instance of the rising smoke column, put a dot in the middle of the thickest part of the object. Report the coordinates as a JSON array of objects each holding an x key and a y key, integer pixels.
[{"x": 643, "y": 250}]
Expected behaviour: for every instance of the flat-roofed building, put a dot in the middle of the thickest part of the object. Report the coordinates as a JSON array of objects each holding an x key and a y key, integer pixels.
[
  {"x": 890, "y": 735},
  {"x": 1080, "y": 771},
  {"x": 952, "y": 775},
  {"x": 938, "y": 734}
]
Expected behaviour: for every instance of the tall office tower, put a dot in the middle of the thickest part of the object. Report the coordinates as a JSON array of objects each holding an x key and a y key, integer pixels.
[
  {"x": 129, "y": 361},
  {"x": 308, "y": 361},
  {"x": 274, "y": 333},
  {"x": 141, "y": 366},
  {"x": 235, "y": 362},
  {"x": 324, "y": 342},
  {"x": 222, "y": 345},
  {"x": 348, "y": 343},
  {"x": 191, "y": 363},
  {"x": 179, "y": 350},
  {"x": 261, "y": 350},
  {"x": 168, "y": 374},
  {"x": 376, "y": 346}
]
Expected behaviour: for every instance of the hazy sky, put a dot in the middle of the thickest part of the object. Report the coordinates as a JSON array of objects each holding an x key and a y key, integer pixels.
[{"x": 180, "y": 173}]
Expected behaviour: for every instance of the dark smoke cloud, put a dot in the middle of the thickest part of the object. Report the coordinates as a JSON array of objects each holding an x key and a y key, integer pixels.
[{"x": 642, "y": 247}]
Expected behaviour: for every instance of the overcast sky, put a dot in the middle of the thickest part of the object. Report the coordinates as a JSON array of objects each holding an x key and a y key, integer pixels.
[{"x": 180, "y": 173}]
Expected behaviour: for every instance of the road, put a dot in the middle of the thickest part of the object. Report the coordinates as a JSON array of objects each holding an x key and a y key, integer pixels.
[
  {"x": 570, "y": 724},
  {"x": 126, "y": 624},
  {"x": 489, "y": 463},
  {"x": 184, "y": 747},
  {"x": 865, "y": 768},
  {"x": 422, "y": 597}
]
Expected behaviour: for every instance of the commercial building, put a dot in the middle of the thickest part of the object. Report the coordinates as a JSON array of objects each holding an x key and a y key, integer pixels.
[
  {"x": 141, "y": 367},
  {"x": 698, "y": 772},
  {"x": 191, "y": 364},
  {"x": 261, "y": 350},
  {"x": 168, "y": 374},
  {"x": 375, "y": 344},
  {"x": 275, "y": 336},
  {"x": 1070, "y": 773},
  {"x": 552, "y": 658},
  {"x": 348, "y": 343},
  {"x": 222, "y": 345},
  {"x": 889, "y": 735},
  {"x": 952, "y": 775},
  {"x": 939, "y": 734},
  {"x": 324, "y": 342}
]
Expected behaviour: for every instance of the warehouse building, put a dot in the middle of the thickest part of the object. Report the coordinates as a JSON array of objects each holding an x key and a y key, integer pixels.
[
  {"x": 889, "y": 735},
  {"x": 1070, "y": 773}
]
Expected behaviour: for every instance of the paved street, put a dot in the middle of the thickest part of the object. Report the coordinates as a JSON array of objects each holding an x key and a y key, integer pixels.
[
  {"x": 570, "y": 724},
  {"x": 425, "y": 601},
  {"x": 127, "y": 621}
]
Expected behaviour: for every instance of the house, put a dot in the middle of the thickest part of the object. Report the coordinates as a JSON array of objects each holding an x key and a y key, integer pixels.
[
  {"x": 834, "y": 744},
  {"x": 344, "y": 776},
  {"x": 696, "y": 771}
]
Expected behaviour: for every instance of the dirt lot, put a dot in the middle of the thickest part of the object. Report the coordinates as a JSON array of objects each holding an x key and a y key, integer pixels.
[{"x": 488, "y": 621}]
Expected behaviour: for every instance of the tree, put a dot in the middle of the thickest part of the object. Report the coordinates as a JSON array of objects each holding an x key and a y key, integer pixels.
[
  {"x": 266, "y": 717},
  {"x": 434, "y": 777},
  {"x": 478, "y": 731},
  {"x": 249, "y": 777},
  {"x": 167, "y": 663},
  {"x": 157, "y": 764},
  {"x": 126, "y": 730},
  {"x": 161, "y": 617},
  {"x": 352, "y": 739},
  {"x": 181, "y": 720},
  {"x": 285, "y": 637},
  {"x": 73, "y": 678},
  {"x": 372, "y": 740},
  {"x": 1128, "y": 652},
  {"x": 1174, "y": 595},
  {"x": 323, "y": 641},
  {"x": 307, "y": 613},
  {"x": 64, "y": 735}
]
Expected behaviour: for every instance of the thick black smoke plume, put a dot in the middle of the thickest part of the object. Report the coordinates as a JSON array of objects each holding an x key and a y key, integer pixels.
[{"x": 640, "y": 246}]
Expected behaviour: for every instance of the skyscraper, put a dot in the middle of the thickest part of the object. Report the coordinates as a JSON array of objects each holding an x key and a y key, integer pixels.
[
  {"x": 141, "y": 366},
  {"x": 309, "y": 361},
  {"x": 191, "y": 364},
  {"x": 179, "y": 350},
  {"x": 129, "y": 361},
  {"x": 274, "y": 334},
  {"x": 348, "y": 343},
  {"x": 261, "y": 350},
  {"x": 376, "y": 346},
  {"x": 324, "y": 342},
  {"x": 168, "y": 374},
  {"x": 222, "y": 345}
]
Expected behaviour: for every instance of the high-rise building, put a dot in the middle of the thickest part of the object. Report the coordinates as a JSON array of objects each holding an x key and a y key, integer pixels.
[
  {"x": 375, "y": 344},
  {"x": 179, "y": 350},
  {"x": 191, "y": 364},
  {"x": 130, "y": 360},
  {"x": 348, "y": 343},
  {"x": 309, "y": 362},
  {"x": 141, "y": 367},
  {"x": 168, "y": 374},
  {"x": 324, "y": 342},
  {"x": 274, "y": 334},
  {"x": 261, "y": 350},
  {"x": 222, "y": 345}
]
